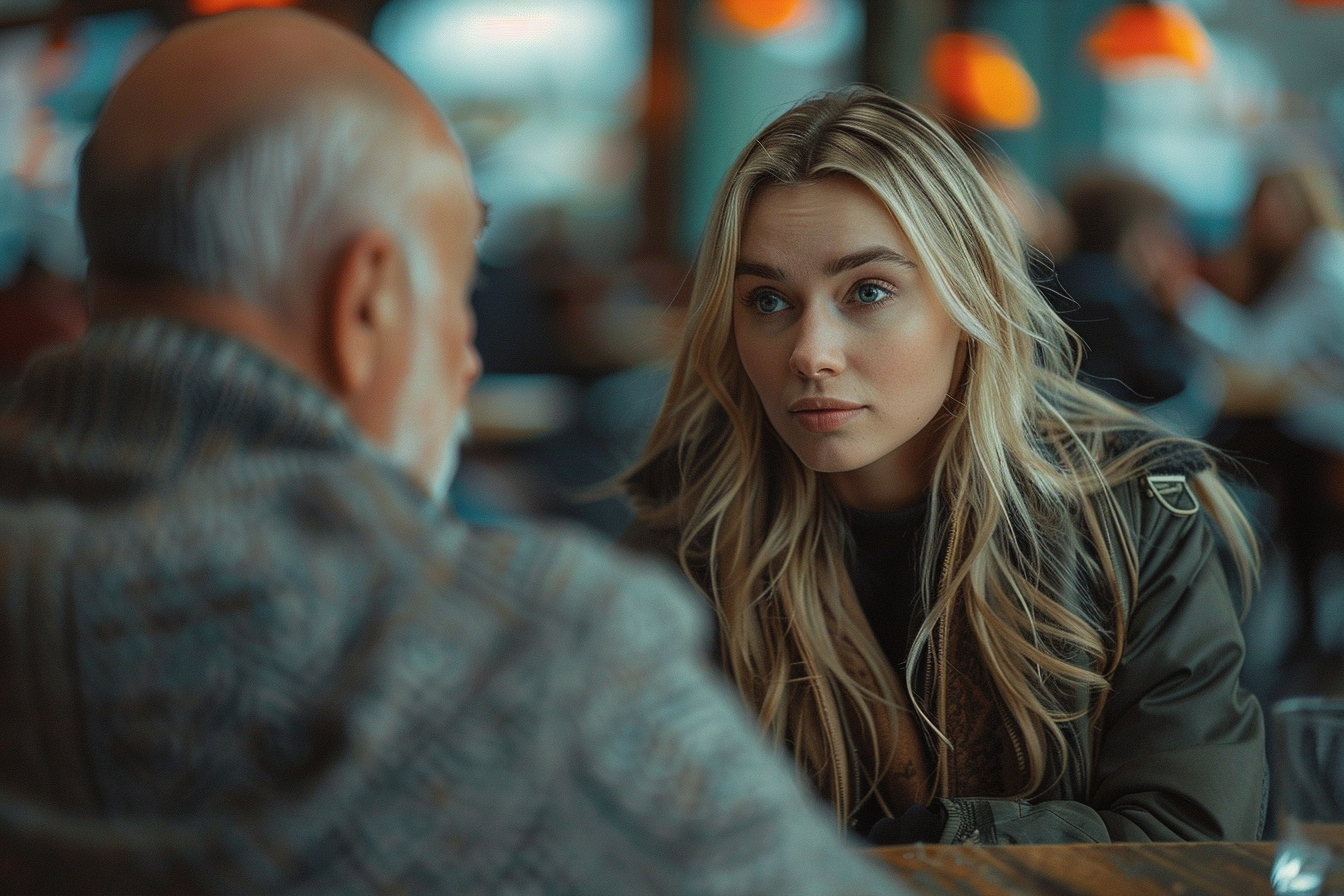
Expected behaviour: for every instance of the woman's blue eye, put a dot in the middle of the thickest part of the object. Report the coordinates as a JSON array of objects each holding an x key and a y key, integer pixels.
[
  {"x": 870, "y": 293},
  {"x": 768, "y": 302}
]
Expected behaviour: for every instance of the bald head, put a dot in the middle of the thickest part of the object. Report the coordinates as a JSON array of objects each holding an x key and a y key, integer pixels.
[
  {"x": 243, "y": 148},
  {"x": 212, "y": 78},
  {"x": 269, "y": 174}
]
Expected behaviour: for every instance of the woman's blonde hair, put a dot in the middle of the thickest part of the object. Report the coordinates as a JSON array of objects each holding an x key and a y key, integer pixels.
[{"x": 1019, "y": 487}]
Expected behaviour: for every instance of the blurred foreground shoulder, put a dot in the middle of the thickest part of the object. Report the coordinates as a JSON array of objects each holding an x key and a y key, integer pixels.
[{"x": 564, "y": 571}]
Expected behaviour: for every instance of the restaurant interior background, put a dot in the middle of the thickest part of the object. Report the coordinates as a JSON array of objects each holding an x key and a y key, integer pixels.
[{"x": 598, "y": 130}]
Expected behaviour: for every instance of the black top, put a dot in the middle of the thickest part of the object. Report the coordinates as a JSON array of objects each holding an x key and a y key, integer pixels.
[{"x": 884, "y": 567}]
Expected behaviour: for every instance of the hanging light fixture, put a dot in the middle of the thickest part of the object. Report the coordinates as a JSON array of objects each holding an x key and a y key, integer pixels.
[
  {"x": 1135, "y": 35},
  {"x": 215, "y": 7},
  {"x": 982, "y": 82},
  {"x": 755, "y": 16}
]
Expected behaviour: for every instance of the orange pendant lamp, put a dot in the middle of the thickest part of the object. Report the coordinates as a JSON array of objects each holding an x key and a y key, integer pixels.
[
  {"x": 1136, "y": 35},
  {"x": 760, "y": 16},
  {"x": 982, "y": 82},
  {"x": 215, "y": 7}
]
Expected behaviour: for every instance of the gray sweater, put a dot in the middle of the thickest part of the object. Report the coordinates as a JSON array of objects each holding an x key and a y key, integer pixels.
[{"x": 241, "y": 652}]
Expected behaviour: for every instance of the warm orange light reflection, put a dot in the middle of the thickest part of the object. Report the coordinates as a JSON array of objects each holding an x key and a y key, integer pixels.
[
  {"x": 215, "y": 7},
  {"x": 1137, "y": 33},
  {"x": 983, "y": 83},
  {"x": 759, "y": 15}
]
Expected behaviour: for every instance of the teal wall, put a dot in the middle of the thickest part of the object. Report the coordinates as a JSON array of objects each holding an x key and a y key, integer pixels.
[
  {"x": 738, "y": 85},
  {"x": 1047, "y": 35}
]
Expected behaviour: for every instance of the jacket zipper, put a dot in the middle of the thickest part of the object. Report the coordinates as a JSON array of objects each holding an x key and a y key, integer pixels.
[
  {"x": 940, "y": 635},
  {"x": 837, "y": 743},
  {"x": 1013, "y": 734}
]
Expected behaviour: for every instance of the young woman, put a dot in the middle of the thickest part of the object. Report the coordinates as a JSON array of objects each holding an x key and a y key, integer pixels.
[{"x": 976, "y": 600}]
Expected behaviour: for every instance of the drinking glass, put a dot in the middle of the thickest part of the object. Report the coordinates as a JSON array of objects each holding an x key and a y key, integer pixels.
[{"x": 1307, "y": 772}]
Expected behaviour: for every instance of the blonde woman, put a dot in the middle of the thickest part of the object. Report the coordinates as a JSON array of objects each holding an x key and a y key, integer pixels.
[{"x": 976, "y": 600}]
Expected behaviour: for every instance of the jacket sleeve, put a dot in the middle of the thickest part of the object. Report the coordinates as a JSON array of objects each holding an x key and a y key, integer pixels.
[{"x": 1181, "y": 752}]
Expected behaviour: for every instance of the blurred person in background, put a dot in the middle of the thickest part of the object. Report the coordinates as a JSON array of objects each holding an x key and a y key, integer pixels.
[
  {"x": 1120, "y": 288},
  {"x": 1278, "y": 318},
  {"x": 39, "y": 309},
  {"x": 978, "y": 601},
  {"x": 1278, "y": 333},
  {"x": 244, "y": 646},
  {"x": 41, "y": 269},
  {"x": 53, "y": 76}
]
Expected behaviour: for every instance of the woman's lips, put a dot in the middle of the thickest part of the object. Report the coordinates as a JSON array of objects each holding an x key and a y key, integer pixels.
[{"x": 817, "y": 415}]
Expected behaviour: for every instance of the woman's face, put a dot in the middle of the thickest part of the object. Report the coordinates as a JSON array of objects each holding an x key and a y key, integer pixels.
[{"x": 839, "y": 330}]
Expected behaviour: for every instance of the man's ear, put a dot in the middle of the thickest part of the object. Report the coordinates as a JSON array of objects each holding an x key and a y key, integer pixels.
[{"x": 366, "y": 289}]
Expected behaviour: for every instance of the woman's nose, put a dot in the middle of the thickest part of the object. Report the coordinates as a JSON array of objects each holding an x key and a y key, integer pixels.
[{"x": 818, "y": 351}]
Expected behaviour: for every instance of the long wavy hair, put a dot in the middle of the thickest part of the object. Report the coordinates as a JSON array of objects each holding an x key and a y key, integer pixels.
[{"x": 1019, "y": 493}]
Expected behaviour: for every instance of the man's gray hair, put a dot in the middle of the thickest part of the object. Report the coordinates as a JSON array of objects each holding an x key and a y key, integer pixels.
[{"x": 258, "y": 211}]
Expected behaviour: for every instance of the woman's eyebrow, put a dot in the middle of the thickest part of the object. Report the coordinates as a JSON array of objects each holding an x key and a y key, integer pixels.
[
  {"x": 864, "y": 256},
  {"x": 755, "y": 269},
  {"x": 839, "y": 266}
]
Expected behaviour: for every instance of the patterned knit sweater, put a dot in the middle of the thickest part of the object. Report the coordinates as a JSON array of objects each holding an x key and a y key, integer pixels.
[{"x": 241, "y": 652}]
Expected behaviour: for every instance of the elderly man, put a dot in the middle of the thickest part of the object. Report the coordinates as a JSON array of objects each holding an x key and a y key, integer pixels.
[{"x": 243, "y": 647}]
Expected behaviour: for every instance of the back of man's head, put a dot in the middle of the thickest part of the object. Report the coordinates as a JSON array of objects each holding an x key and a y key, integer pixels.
[
  {"x": 254, "y": 211},
  {"x": 270, "y": 175},
  {"x": 264, "y": 181}
]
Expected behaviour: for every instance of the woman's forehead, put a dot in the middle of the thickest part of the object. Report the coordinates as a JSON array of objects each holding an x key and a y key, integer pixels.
[{"x": 830, "y": 211}]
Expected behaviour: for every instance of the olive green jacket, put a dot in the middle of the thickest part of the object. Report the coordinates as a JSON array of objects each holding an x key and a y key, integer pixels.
[{"x": 1179, "y": 751}]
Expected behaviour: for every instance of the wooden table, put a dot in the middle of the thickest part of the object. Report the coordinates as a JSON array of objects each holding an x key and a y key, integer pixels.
[{"x": 1111, "y": 869}]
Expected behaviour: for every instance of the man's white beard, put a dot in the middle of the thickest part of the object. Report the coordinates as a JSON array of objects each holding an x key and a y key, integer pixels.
[{"x": 452, "y": 453}]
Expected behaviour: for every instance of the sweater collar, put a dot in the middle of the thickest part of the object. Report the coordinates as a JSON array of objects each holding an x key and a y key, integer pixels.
[{"x": 149, "y": 397}]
